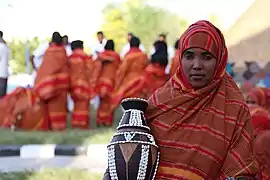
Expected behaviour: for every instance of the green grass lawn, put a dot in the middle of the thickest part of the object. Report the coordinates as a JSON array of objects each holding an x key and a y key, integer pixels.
[
  {"x": 75, "y": 137},
  {"x": 51, "y": 174}
]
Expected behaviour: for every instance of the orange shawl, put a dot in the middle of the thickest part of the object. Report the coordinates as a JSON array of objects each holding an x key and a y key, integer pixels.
[
  {"x": 203, "y": 134},
  {"x": 133, "y": 50},
  {"x": 155, "y": 77},
  {"x": 129, "y": 80},
  {"x": 260, "y": 96},
  {"x": 260, "y": 118},
  {"x": 261, "y": 126},
  {"x": 79, "y": 75},
  {"x": 262, "y": 152},
  {"x": 175, "y": 63},
  {"x": 15, "y": 104},
  {"x": 52, "y": 76},
  {"x": 106, "y": 77}
]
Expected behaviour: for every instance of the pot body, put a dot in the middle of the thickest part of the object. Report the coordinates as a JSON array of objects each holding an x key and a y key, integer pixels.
[{"x": 133, "y": 153}]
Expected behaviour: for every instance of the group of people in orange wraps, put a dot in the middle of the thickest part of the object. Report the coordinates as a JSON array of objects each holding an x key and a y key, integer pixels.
[
  {"x": 44, "y": 106},
  {"x": 258, "y": 100}
]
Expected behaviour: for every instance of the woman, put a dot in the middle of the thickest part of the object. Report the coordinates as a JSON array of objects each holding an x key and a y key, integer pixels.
[
  {"x": 260, "y": 96},
  {"x": 79, "y": 85},
  {"x": 260, "y": 118},
  {"x": 262, "y": 151},
  {"x": 52, "y": 83},
  {"x": 199, "y": 118},
  {"x": 110, "y": 61},
  {"x": 155, "y": 75},
  {"x": 45, "y": 105},
  {"x": 261, "y": 125},
  {"x": 130, "y": 80}
]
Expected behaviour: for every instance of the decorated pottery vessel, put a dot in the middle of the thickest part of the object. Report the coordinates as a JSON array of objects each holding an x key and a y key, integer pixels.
[{"x": 133, "y": 153}]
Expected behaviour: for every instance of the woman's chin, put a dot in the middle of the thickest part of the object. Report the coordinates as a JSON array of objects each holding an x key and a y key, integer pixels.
[{"x": 198, "y": 84}]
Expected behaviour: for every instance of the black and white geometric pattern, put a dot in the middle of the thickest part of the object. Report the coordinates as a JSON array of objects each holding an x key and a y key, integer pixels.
[{"x": 51, "y": 150}]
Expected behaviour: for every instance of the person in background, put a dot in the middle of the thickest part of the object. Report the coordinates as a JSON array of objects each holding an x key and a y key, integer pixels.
[
  {"x": 52, "y": 82},
  {"x": 4, "y": 61},
  {"x": 69, "y": 52},
  {"x": 229, "y": 69},
  {"x": 175, "y": 59},
  {"x": 246, "y": 87},
  {"x": 37, "y": 57},
  {"x": 99, "y": 47},
  {"x": 67, "y": 45},
  {"x": 110, "y": 62},
  {"x": 129, "y": 80},
  {"x": 259, "y": 96},
  {"x": 262, "y": 149},
  {"x": 260, "y": 117},
  {"x": 126, "y": 47},
  {"x": 163, "y": 37},
  {"x": 43, "y": 107},
  {"x": 261, "y": 127},
  {"x": 155, "y": 75},
  {"x": 79, "y": 85}
]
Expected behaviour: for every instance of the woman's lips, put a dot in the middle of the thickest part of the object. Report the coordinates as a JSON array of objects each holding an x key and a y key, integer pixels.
[{"x": 197, "y": 76}]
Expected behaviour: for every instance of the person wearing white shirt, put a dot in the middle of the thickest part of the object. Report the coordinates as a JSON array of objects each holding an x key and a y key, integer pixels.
[
  {"x": 126, "y": 47},
  {"x": 67, "y": 45},
  {"x": 162, "y": 37},
  {"x": 4, "y": 59},
  {"x": 37, "y": 57},
  {"x": 99, "y": 47}
]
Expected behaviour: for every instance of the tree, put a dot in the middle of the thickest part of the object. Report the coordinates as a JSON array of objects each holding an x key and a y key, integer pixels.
[
  {"x": 214, "y": 19},
  {"x": 17, "y": 47},
  {"x": 143, "y": 20},
  {"x": 115, "y": 26}
]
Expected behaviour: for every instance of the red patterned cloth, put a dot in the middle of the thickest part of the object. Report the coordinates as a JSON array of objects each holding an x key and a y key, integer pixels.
[{"x": 207, "y": 133}]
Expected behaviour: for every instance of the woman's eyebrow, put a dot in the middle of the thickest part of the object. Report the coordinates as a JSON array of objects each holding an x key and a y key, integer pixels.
[
  {"x": 206, "y": 53},
  {"x": 188, "y": 52}
]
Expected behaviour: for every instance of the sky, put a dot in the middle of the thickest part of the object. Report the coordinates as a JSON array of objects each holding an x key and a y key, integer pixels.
[{"x": 80, "y": 19}]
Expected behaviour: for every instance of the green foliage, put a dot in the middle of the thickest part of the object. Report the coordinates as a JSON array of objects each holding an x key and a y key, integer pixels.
[
  {"x": 213, "y": 18},
  {"x": 51, "y": 174},
  {"x": 17, "y": 47},
  {"x": 143, "y": 20},
  {"x": 115, "y": 26}
]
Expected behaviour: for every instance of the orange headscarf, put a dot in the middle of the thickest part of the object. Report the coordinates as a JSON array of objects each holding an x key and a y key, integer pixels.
[
  {"x": 261, "y": 96},
  {"x": 261, "y": 125},
  {"x": 203, "y": 35},
  {"x": 260, "y": 119},
  {"x": 184, "y": 120}
]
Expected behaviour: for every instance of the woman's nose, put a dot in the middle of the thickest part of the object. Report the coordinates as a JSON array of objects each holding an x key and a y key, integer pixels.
[{"x": 197, "y": 63}]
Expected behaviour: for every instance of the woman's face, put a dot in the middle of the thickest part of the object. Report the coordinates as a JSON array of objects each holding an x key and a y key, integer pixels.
[{"x": 199, "y": 67}]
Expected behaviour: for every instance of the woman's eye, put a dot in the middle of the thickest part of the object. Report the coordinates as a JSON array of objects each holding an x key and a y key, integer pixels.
[
  {"x": 208, "y": 57},
  {"x": 189, "y": 56}
]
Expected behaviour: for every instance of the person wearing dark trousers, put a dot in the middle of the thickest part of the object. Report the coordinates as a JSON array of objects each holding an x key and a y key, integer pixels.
[{"x": 4, "y": 58}]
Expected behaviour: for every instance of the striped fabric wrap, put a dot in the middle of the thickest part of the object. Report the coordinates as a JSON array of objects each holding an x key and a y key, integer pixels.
[{"x": 205, "y": 133}]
